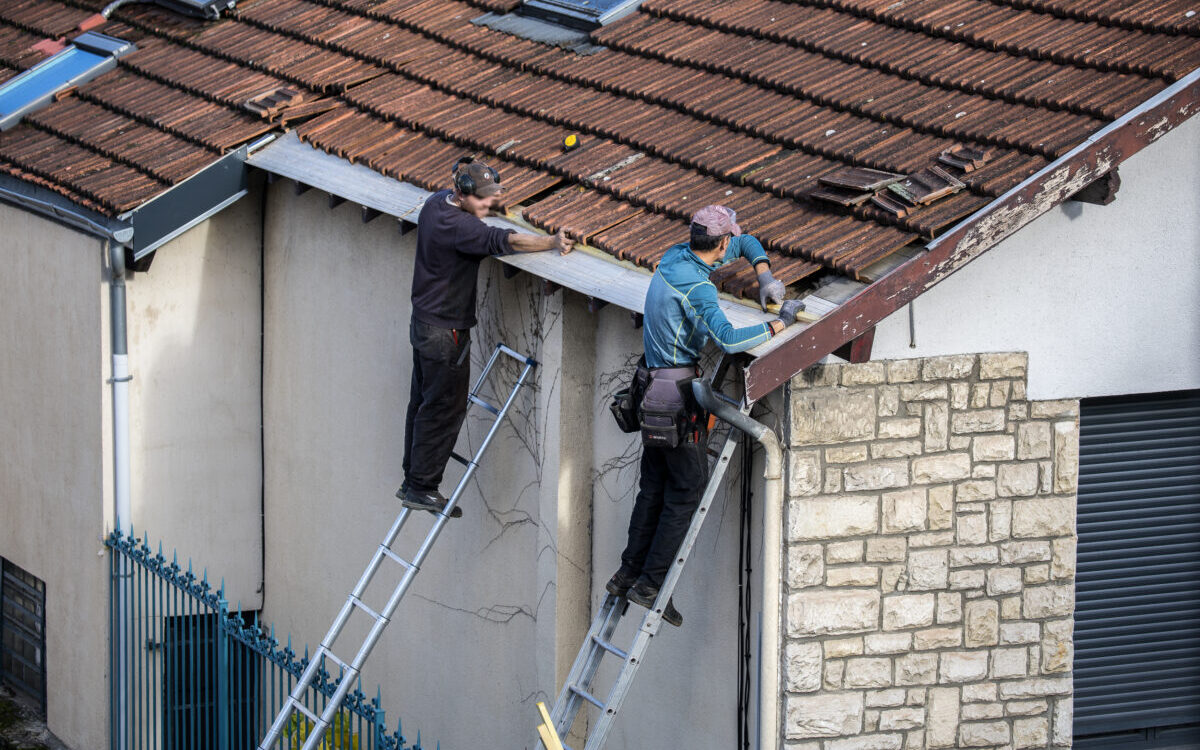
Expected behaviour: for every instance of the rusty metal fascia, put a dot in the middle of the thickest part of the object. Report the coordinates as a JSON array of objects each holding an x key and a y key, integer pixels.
[{"x": 979, "y": 232}]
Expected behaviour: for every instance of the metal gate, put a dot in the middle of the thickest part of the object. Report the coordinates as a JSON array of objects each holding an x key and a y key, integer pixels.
[
  {"x": 1137, "y": 619},
  {"x": 23, "y": 632}
]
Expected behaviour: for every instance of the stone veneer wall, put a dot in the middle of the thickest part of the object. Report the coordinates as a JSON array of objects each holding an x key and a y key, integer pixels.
[{"x": 930, "y": 557}]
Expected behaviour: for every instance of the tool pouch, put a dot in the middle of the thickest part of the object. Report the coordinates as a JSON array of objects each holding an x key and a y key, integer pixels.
[
  {"x": 625, "y": 403},
  {"x": 665, "y": 408}
]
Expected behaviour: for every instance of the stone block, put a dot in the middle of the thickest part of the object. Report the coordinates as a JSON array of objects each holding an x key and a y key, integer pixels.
[
  {"x": 949, "y": 608},
  {"x": 963, "y": 666},
  {"x": 983, "y": 734},
  {"x": 885, "y": 698},
  {"x": 937, "y": 426},
  {"x": 846, "y": 454},
  {"x": 980, "y": 711},
  {"x": 842, "y": 647},
  {"x": 868, "y": 672},
  {"x": 1004, "y": 581},
  {"x": 1045, "y": 477},
  {"x": 960, "y": 395},
  {"x": 924, "y": 392},
  {"x": 953, "y": 367},
  {"x": 963, "y": 557},
  {"x": 888, "y": 404},
  {"x": 975, "y": 490},
  {"x": 802, "y": 746},
  {"x": 843, "y": 552},
  {"x": 945, "y": 467},
  {"x": 1053, "y": 409},
  {"x": 830, "y": 517},
  {"x": 899, "y": 427},
  {"x": 804, "y": 473},
  {"x": 903, "y": 370},
  {"x": 904, "y": 510},
  {"x": 1044, "y": 516},
  {"x": 1035, "y": 574},
  {"x": 1010, "y": 662},
  {"x": 858, "y": 575},
  {"x": 887, "y": 549},
  {"x": 1017, "y": 480},
  {"x": 962, "y": 580},
  {"x": 971, "y": 528},
  {"x": 999, "y": 396},
  {"x": 832, "y": 612},
  {"x": 1019, "y": 553},
  {"x": 982, "y": 623},
  {"x": 935, "y": 638},
  {"x": 833, "y": 481},
  {"x": 930, "y": 539},
  {"x": 864, "y": 373},
  {"x": 1026, "y": 708},
  {"x": 941, "y": 507},
  {"x": 983, "y": 471},
  {"x": 1030, "y": 733},
  {"x": 1003, "y": 365},
  {"x": 1010, "y": 608},
  {"x": 896, "y": 449},
  {"x": 804, "y": 667},
  {"x": 916, "y": 697},
  {"x": 977, "y": 420},
  {"x": 1066, "y": 456},
  {"x": 1063, "y": 558},
  {"x": 941, "y": 717},
  {"x": 980, "y": 692},
  {"x": 824, "y": 715},
  {"x": 832, "y": 415},
  {"x": 999, "y": 520},
  {"x": 876, "y": 475},
  {"x": 868, "y": 742},
  {"x": 916, "y": 669},
  {"x": 806, "y": 566},
  {"x": 1057, "y": 646},
  {"x": 1013, "y": 633},
  {"x": 1037, "y": 687},
  {"x": 928, "y": 570},
  {"x": 887, "y": 643},
  {"x": 1033, "y": 440},
  {"x": 1064, "y": 719},
  {"x": 993, "y": 448},
  {"x": 979, "y": 395},
  {"x": 901, "y": 718},
  {"x": 908, "y": 611},
  {"x": 891, "y": 577},
  {"x": 817, "y": 376},
  {"x": 833, "y": 674}
]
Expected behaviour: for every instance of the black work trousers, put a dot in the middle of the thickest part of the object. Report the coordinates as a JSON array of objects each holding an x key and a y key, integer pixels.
[
  {"x": 672, "y": 483},
  {"x": 437, "y": 403}
]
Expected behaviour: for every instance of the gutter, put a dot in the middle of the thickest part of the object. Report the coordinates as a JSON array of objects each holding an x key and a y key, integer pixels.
[
  {"x": 978, "y": 233},
  {"x": 769, "y": 688}
]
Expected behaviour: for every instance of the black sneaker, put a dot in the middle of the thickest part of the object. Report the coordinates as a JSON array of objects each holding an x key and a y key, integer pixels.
[
  {"x": 620, "y": 583},
  {"x": 430, "y": 500},
  {"x": 643, "y": 595}
]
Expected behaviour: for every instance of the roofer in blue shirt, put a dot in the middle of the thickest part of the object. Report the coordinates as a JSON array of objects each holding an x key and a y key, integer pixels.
[{"x": 681, "y": 315}]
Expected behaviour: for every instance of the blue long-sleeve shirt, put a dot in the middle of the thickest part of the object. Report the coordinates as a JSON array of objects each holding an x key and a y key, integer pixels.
[{"x": 682, "y": 311}]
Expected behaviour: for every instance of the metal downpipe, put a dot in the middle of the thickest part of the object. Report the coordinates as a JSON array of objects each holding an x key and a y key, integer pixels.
[
  {"x": 122, "y": 514},
  {"x": 768, "y": 667}
]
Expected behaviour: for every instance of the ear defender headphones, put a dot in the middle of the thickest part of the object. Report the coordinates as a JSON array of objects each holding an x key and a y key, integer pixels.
[{"x": 463, "y": 182}]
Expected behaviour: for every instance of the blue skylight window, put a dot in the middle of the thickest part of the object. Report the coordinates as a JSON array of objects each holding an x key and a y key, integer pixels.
[
  {"x": 580, "y": 14},
  {"x": 89, "y": 55}
]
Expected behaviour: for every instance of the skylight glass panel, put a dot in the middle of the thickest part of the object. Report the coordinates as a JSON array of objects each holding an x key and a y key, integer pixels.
[
  {"x": 89, "y": 55},
  {"x": 580, "y": 14}
]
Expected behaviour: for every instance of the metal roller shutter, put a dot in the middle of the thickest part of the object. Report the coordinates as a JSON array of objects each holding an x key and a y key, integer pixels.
[{"x": 1137, "y": 620}]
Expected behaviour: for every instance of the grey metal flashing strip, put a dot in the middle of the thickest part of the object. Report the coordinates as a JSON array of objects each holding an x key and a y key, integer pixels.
[{"x": 39, "y": 200}]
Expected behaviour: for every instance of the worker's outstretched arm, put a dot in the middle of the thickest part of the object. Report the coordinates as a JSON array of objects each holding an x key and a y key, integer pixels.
[
  {"x": 521, "y": 242},
  {"x": 701, "y": 303},
  {"x": 747, "y": 246}
]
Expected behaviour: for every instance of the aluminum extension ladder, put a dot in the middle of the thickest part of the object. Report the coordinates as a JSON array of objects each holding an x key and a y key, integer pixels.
[
  {"x": 578, "y": 690},
  {"x": 351, "y": 669}
]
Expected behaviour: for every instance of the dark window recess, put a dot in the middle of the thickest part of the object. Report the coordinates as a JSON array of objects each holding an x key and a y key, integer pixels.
[
  {"x": 1137, "y": 617},
  {"x": 579, "y": 14},
  {"x": 23, "y": 633},
  {"x": 190, "y": 686}
]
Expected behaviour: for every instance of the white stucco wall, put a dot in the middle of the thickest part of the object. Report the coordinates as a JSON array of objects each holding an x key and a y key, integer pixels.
[
  {"x": 52, "y": 514},
  {"x": 194, "y": 350},
  {"x": 1106, "y": 299}
]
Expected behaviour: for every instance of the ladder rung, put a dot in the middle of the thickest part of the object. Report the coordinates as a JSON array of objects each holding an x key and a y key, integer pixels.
[
  {"x": 337, "y": 659},
  {"x": 299, "y": 706},
  {"x": 480, "y": 402},
  {"x": 359, "y": 603},
  {"x": 586, "y": 696},
  {"x": 459, "y": 458},
  {"x": 609, "y": 647},
  {"x": 399, "y": 560}
]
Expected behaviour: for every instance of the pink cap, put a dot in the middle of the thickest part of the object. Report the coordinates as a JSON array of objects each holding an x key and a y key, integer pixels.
[{"x": 715, "y": 221}]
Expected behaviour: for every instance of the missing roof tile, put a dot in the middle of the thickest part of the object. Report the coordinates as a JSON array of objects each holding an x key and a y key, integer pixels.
[{"x": 860, "y": 178}]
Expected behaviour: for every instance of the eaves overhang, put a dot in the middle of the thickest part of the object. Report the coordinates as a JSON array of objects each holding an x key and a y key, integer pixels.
[{"x": 976, "y": 234}]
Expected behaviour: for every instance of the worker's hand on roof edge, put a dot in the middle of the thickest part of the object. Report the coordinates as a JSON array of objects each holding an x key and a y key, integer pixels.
[
  {"x": 525, "y": 242},
  {"x": 788, "y": 311},
  {"x": 769, "y": 289},
  {"x": 563, "y": 243}
]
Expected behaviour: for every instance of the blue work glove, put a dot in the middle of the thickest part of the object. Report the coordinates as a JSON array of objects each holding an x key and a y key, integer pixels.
[
  {"x": 788, "y": 311},
  {"x": 769, "y": 289}
]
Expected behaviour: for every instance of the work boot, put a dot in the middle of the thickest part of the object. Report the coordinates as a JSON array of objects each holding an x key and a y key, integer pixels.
[
  {"x": 621, "y": 582},
  {"x": 643, "y": 595},
  {"x": 430, "y": 500}
]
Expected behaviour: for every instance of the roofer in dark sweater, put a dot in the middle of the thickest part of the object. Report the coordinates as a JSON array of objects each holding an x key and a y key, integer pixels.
[{"x": 452, "y": 240}]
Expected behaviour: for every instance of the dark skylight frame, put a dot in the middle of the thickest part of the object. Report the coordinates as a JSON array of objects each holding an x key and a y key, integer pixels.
[
  {"x": 584, "y": 15},
  {"x": 88, "y": 55}
]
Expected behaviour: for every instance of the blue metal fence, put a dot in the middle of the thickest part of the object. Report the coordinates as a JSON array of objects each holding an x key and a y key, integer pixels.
[{"x": 187, "y": 673}]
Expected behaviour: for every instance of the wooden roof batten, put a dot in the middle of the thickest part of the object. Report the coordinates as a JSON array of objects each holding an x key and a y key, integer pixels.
[{"x": 976, "y": 234}]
